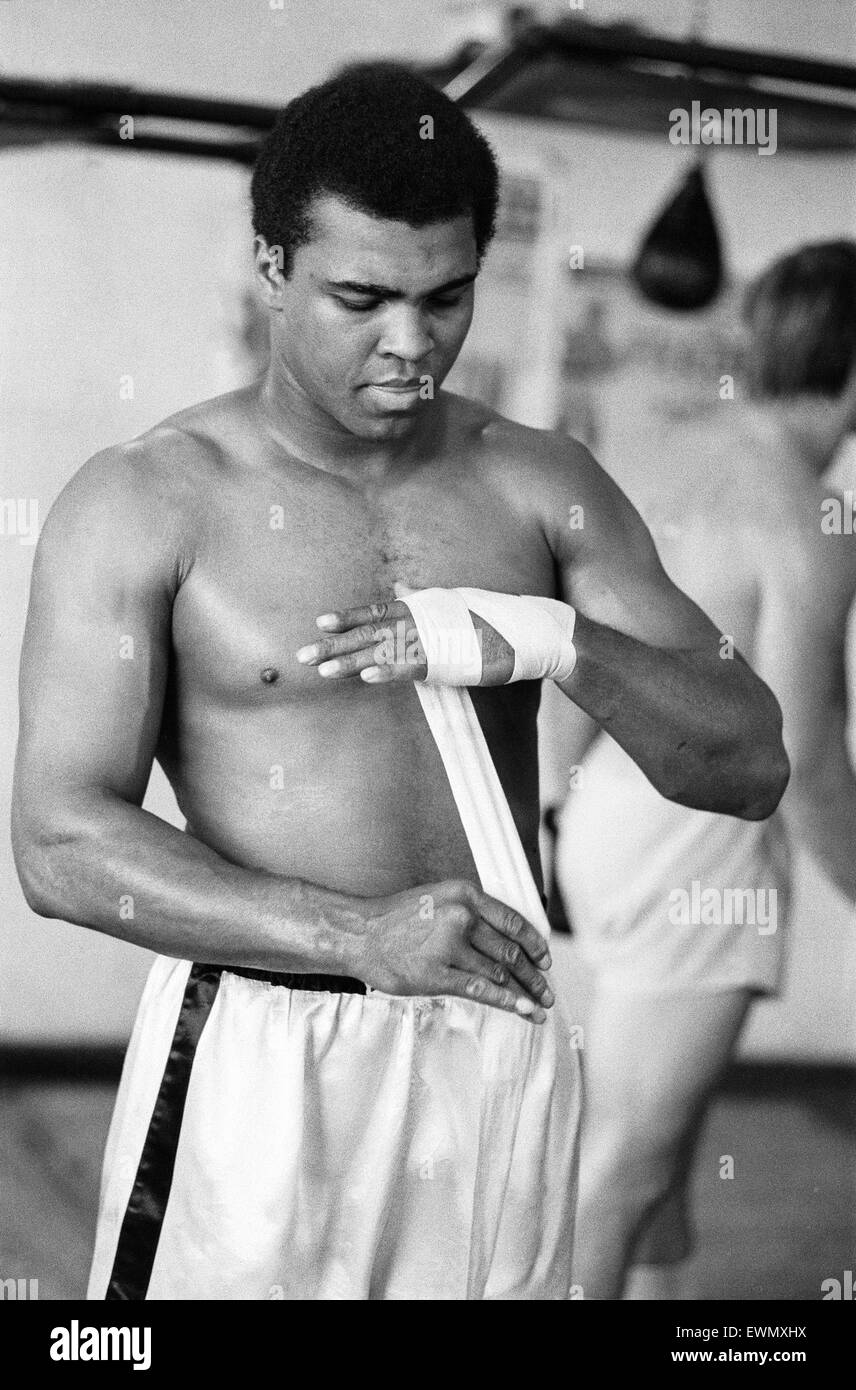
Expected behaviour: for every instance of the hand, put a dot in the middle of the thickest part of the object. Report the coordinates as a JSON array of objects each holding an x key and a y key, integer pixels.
[
  {"x": 451, "y": 938},
  {"x": 380, "y": 644}
]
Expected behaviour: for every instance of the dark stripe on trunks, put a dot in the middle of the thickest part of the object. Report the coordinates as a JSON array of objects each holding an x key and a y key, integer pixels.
[{"x": 144, "y": 1215}]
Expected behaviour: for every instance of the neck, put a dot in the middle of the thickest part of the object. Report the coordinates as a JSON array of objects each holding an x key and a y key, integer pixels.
[
  {"x": 309, "y": 433},
  {"x": 813, "y": 426}
]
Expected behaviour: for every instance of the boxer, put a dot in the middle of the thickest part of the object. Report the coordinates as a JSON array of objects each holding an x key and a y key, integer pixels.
[{"x": 344, "y": 1080}]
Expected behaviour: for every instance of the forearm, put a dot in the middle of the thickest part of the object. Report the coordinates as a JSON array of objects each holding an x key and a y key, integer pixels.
[
  {"x": 120, "y": 870},
  {"x": 705, "y": 731}
]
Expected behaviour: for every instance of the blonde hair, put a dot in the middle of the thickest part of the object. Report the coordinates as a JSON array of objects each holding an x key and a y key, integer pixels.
[{"x": 801, "y": 316}]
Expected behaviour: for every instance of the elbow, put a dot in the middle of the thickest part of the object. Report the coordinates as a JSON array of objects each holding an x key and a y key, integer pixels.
[
  {"x": 763, "y": 784},
  {"x": 34, "y": 878},
  {"x": 742, "y": 772},
  {"x": 32, "y": 851},
  {"x": 38, "y": 903},
  {"x": 734, "y": 783},
  {"x": 763, "y": 799},
  {"x": 38, "y": 900},
  {"x": 761, "y": 768}
]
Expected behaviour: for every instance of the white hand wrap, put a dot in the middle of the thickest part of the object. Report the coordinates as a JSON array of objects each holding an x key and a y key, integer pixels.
[
  {"x": 449, "y": 640},
  {"x": 539, "y": 630}
]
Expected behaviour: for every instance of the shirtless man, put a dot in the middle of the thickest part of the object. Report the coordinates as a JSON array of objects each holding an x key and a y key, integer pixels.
[
  {"x": 739, "y": 508},
  {"x": 279, "y": 1128}
]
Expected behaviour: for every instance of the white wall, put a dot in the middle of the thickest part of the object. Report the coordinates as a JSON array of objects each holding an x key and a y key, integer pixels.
[{"x": 116, "y": 266}]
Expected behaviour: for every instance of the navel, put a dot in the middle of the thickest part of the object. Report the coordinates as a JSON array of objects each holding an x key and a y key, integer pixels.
[{"x": 269, "y": 675}]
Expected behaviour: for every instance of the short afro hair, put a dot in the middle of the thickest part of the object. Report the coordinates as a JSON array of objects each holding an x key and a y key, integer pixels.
[
  {"x": 801, "y": 315},
  {"x": 360, "y": 136}
]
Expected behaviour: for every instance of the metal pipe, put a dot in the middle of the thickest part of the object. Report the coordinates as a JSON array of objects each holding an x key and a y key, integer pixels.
[
  {"x": 104, "y": 99},
  {"x": 622, "y": 43}
]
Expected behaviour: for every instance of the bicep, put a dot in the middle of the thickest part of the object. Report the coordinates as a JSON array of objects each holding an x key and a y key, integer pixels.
[
  {"x": 96, "y": 649},
  {"x": 612, "y": 573}
]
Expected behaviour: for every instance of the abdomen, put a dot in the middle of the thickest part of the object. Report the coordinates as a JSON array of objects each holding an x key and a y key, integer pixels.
[{"x": 350, "y": 794}]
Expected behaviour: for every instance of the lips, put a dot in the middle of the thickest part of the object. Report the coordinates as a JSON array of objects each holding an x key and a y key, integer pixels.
[{"x": 395, "y": 398}]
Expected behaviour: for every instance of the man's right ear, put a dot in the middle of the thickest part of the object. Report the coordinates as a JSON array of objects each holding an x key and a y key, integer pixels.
[{"x": 269, "y": 271}]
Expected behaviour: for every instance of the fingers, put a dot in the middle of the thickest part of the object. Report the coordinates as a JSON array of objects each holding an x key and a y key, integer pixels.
[
  {"x": 348, "y": 664},
  {"x": 482, "y": 952},
  {"x": 355, "y": 639},
  {"x": 371, "y": 613},
  {"x": 471, "y": 985},
  {"x": 512, "y": 961},
  {"x": 385, "y": 651},
  {"x": 513, "y": 927},
  {"x": 525, "y": 983},
  {"x": 382, "y": 661}
]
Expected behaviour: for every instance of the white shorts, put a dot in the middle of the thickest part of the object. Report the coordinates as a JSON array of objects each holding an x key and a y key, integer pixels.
[
  {"x": 296, "y": 1137},
  {"x": 664, "y": 899},
  {"x": 313, "y": 1143}
]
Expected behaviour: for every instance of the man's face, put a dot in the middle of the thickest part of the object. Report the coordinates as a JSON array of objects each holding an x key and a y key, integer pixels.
[{"x": 371, "y": 304}]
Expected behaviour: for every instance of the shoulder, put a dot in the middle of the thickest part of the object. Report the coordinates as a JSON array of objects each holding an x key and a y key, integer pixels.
[
  {"x": 556, "y": 480},
  {"x": 530, "y": 462},
  {"x": 136, "y": 498},
  {"x": 164, "y": 465}
]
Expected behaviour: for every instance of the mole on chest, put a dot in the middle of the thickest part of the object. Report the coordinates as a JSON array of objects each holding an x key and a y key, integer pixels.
[{"x": 241, "y": 617}]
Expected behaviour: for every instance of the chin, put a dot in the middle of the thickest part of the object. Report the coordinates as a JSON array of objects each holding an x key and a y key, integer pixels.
[{"x": 390, "y": 426}]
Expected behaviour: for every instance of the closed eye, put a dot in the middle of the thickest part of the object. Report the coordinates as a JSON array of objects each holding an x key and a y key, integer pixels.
[
  {"x": 357, "y": 307},
  {"x": 365, "y": 306}
]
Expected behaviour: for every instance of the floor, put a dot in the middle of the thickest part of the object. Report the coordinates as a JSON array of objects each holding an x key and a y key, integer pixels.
[{"x": 781, "y": 1226}]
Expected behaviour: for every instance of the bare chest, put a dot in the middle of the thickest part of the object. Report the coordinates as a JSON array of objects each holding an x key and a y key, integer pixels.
[{"x": 268, "y": 561}]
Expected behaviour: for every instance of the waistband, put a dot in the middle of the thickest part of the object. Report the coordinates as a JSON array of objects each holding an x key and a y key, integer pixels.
[{"x": 334, "y": 984}]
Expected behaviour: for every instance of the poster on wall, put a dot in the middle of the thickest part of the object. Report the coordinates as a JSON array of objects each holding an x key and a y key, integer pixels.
[
  {"x": 562, "y": 342},
  {"x": 629, "y": 371}
]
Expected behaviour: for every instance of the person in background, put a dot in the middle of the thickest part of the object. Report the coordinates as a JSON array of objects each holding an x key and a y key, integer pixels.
[{"x": 749, "y": 528}]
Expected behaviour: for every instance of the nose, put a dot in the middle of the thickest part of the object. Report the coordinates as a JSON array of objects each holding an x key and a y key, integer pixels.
[{"x": 404, "y": 334}]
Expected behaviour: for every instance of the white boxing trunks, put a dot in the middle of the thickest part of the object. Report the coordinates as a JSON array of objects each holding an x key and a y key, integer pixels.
[
  {"x": 664, "y": 899},
  {"x": 297, "y": 1137}
]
